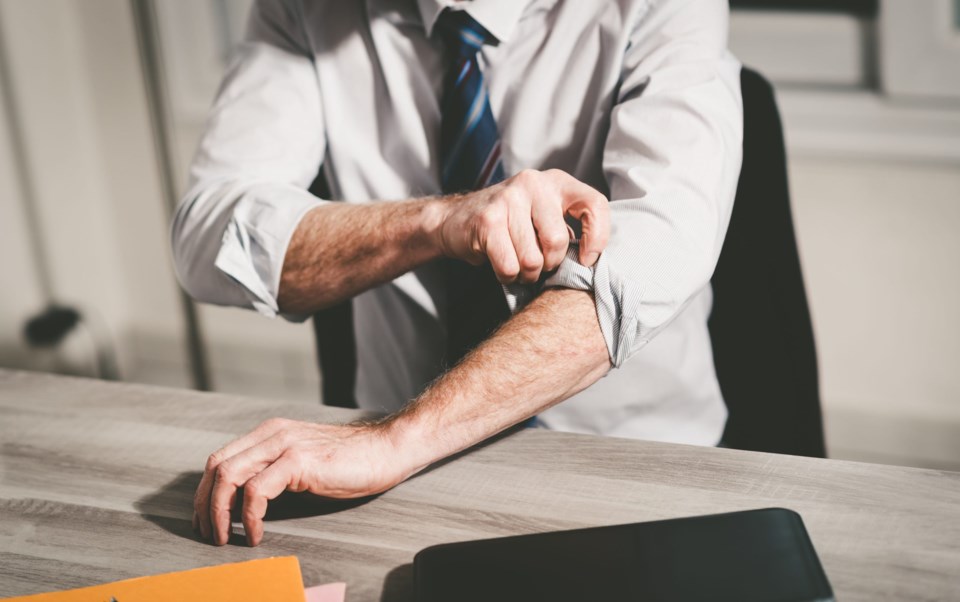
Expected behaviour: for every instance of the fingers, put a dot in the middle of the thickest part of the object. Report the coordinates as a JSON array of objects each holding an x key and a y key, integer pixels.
[
  {"x": 524, "y": 239},
  {"x": 220, "y": 517},
  {"x": 232, "y": 474},
  {"x": 591, "y": 208},
  {"x": 502, "y": 255},
  {"x": 201, "y": 506},
  {"x": 201, "y": 500},
  {"x": 553, "y": 234},
  {"x": 595, "y": 233},
  {"x": 259, "y": 490},
  {"x": 520, "y": 225}
]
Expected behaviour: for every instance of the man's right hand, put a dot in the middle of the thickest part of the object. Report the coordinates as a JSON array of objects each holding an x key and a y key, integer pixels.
[{"x": 518, "y": 224}]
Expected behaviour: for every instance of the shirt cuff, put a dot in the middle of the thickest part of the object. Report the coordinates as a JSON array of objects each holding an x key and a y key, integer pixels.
[
  {"x": 596, "y": 279},
  {"x": 574, "y": 275},
  {"x": 255, "y": 242}
]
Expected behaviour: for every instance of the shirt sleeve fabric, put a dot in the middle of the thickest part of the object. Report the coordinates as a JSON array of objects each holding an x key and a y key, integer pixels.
[
  {"x": 672, "y": 160},
  {"x": 263, "y": 145}
]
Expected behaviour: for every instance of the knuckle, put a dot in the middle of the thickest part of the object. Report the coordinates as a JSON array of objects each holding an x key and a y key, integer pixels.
[
  {"x": 214, "y": 460},
  {"x": 285, "y": 437},
  {"x": 223, "y": 473},
  {"x": 252, "y": 489},
  {"x": 509, "y": 273},
  {"x": 556, "y": 240},
  {"x": 296, "y": 455},
  {"x": 526, "y": 176},
  {"x": 491, "y": 217},
  {"x": 518, "y": 202},
  {"x": 529, "y": 263},
  {"x": 506, "y": 199},
  {"x": 274, "y": 423}
]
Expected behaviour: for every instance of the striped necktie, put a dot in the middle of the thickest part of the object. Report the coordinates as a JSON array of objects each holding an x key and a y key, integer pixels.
[
  {"x": 469, "y": 141},
  {"x": 470, "y": 160}
]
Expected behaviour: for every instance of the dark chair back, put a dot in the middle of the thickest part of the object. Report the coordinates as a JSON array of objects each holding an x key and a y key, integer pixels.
[
  {"x": 335, "y": 338},
  {"x": 762, "y": 336}
]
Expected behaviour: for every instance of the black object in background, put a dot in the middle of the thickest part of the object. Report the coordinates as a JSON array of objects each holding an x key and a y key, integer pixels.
[
  {"x": 335, "y": 337},
  {"x": 860, "y": 8},
  {"x": 753, "y": 556},
  {"x": 763, "y": 345},
  {"x": 50, "y": 328}
]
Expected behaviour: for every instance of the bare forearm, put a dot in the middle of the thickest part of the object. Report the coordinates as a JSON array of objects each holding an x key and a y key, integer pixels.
[
  {"x": 548, "y": 352},
  {"x": 340, "y": 250},
  {"x": 543, "y": 355}
]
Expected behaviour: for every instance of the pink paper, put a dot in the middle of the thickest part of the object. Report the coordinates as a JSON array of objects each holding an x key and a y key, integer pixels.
[{"x": 331, "y": 592}]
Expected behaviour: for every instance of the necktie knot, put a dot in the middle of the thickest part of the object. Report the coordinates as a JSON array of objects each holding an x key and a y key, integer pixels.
[{"x": 463, "y": 35}]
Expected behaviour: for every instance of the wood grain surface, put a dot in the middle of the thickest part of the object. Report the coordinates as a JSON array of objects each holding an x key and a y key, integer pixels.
[{"x": 97, "y": 480}]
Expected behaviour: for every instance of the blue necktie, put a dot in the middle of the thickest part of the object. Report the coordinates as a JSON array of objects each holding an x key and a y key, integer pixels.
[
  {"x": 470, "y": 160},
  {"x": 469, "y": 141}
]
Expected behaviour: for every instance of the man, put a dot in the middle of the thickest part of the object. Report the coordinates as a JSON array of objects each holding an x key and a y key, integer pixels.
[{"x": 623, "y": 116}]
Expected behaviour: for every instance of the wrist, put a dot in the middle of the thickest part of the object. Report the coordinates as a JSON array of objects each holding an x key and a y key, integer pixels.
[
  {"x": 412, "y": 447},
  {"x": 434, "y": 214}
]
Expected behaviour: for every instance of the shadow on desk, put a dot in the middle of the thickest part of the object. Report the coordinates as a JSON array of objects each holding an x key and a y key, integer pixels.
[{"x": 171, "y": 506}]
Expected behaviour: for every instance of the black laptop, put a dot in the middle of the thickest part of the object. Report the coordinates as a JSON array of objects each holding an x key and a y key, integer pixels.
[{"x": 753, "y": 556}]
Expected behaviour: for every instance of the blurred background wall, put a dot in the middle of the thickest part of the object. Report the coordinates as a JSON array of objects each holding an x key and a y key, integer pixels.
[{"x": 870, "y": 95}]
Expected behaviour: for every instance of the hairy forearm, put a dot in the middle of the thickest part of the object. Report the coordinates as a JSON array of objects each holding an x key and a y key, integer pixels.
[
  {"x": 548, "y": 352},
  {"x": 543, "y": 355},
  {"x": 340, "y": 250}
]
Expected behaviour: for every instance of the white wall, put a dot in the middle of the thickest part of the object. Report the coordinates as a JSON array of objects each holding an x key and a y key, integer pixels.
[
  {"x": 881, "y": 252},
  {"x": 877, "y": 240},
  {"x": 20, "y": 289},
  {"x": 51, "y": 86}
]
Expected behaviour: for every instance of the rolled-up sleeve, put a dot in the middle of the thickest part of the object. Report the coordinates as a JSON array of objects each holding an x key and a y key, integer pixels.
[
  {"x": 671, "y": 160},
  {"x": 262, "y": 146}
]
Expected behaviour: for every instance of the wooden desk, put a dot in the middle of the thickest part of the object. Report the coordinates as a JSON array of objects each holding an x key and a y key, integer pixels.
[{"x": 97, "y": 480}]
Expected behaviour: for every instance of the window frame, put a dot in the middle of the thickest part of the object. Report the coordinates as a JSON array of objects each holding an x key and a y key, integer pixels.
[{"x": 919, "y": 52}]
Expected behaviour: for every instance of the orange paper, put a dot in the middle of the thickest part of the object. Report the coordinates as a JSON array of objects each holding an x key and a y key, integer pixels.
[{"x": 266, "y": 580}]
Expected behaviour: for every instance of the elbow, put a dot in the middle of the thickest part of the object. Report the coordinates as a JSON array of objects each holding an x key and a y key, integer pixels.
[
  {"x": 189, "y": 280},
  {"x": 182, "y": 262},
  {"x": 192, "y": 253},
  {"x": 644, "y": 312}
]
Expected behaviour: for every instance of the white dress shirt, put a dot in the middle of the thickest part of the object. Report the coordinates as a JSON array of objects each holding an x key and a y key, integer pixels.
[{"x": 638, "y": 98}]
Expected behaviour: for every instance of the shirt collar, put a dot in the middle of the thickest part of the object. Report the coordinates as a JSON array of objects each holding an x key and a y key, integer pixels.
[{"x": 499, "y": 17}]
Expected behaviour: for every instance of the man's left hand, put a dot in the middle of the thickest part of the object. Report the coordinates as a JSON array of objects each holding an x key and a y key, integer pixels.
[{"x": 348, "y": 461}]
